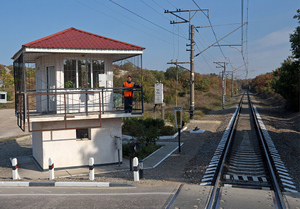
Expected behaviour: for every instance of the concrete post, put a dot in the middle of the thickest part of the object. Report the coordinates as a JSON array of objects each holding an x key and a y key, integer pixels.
[
  {"x": 136, "y": 176},
  {"x": 51, "y": 169},
  {"x": 91, "y": 168},
  {"x": 15, "y": 174}
]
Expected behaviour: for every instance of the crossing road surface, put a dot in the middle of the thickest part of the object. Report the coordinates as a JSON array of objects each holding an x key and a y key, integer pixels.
[{"x": 126, "y": 197}]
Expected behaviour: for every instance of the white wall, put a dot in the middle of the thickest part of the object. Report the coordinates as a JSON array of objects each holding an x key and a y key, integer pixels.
[{"x": 67, "y": 151}]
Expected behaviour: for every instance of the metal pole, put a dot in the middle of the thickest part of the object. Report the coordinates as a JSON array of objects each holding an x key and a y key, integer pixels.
[
  {"x": 223, "y": 96},
  {"x": 192, "y": 91},
  {"x": 176, "y": 80},
  {"x": 179, "y": 130},
  {"x": 232, "y": 84},
  {"x": 224, "y": 85}
]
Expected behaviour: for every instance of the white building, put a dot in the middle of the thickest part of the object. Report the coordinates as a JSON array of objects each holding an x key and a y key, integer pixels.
[{"x": 64, "y": 92}]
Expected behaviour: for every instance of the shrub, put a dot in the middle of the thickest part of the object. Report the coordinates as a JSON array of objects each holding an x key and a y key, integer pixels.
[
  {"x": 167, "y": 131},
  {"x": 170, "y": 117},
  {"x": 181, "y": 94},
  {"x": 143, "y": 131}
]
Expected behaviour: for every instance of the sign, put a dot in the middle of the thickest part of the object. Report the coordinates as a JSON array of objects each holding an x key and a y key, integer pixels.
[
  {"x": 102, "y": 80},
  {"x": 178, "y": 117},
  {"x": 159, "y": 93}
]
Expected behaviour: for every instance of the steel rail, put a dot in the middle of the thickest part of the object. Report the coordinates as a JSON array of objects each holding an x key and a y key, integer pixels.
[
  {"x": 212, "y": 199},
  {"x": 277, "y": 191}
]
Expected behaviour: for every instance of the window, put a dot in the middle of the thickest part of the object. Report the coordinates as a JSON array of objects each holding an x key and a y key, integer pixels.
[
  {"x": 70, "y": 73},
  {"x": 82, "y": 73},
  {"x": 83, "y": 133},
  {"x": 98, "y": 68}
]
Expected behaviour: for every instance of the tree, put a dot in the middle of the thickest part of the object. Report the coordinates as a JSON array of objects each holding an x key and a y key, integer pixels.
[
  {"x": 159, "y": 75},
  {"x": 295, "y": 38},
  {"x": 287, "y": 82},
  {"x": 171, "y": 73}
]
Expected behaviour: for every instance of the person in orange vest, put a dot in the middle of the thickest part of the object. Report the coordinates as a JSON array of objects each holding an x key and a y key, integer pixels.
[{"x": 128, "y": 94}]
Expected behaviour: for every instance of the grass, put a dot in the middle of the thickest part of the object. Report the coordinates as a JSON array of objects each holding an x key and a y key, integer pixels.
[
  {"x": 7, "y": 105},
  {"x": 204, "y": 102}
]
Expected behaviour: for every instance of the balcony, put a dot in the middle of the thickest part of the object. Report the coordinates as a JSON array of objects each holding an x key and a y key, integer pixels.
[{"x": 65, "y": 105}]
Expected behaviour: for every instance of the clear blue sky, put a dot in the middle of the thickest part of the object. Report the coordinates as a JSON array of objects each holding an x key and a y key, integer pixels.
[{"x": 266, "y": 39}]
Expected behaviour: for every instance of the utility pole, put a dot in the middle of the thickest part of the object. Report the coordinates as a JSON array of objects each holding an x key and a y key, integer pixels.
[
  {"x": 177, "y": 64},
  {"x": 224, "y": 86},
  {"x": 223, "y": 65},
  {"x": 232, "y": 84},
  {"x": 192, "y": 57},
  {"x": 192, "y": 74}
]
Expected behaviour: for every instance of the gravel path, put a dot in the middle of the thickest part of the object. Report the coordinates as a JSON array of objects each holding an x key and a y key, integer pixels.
[{"x": 284, "y": 129}]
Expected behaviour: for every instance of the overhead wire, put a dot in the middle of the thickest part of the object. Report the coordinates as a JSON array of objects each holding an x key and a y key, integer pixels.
[
  {"x": 154, "y": 9},
  {"x": 92, "y": 8},
  {"x": 211, "y": 28},
  {"x": 122, "y": 14},
  {"x": 143, "y": 18}
]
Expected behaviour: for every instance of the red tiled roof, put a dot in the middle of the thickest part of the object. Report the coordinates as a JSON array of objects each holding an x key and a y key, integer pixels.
[{"x": 73, "y": 38}]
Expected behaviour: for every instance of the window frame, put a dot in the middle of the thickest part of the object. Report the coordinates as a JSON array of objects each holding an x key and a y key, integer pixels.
[{"x": 89, "y": 64}]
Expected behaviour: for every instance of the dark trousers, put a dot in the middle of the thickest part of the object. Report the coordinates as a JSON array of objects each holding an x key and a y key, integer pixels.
[{"x": 128, "y": 104}]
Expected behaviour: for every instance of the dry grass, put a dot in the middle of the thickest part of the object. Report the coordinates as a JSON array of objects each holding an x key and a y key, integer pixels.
[{"x": 204, "y": 102}]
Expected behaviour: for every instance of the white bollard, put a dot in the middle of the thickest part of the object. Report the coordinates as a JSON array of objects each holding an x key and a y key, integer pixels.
[
  {"x": 15, "y": 174},
  {"x": 91, "y": 168},
  {"x": 135, "y": 163},
  {"x": 51, "y": 169}
]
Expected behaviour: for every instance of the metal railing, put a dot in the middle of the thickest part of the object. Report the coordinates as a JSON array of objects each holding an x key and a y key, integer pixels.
[{"x": 65, "y": 104}]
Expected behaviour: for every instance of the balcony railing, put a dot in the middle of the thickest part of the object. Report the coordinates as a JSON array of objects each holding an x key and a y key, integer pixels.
[{"x": 64, "y": 105}]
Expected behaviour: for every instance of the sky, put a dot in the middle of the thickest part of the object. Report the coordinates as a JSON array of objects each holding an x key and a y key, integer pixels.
[{"x": 258, "y": 47}]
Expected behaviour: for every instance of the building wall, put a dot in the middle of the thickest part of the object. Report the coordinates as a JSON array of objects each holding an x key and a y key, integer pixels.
[{"x": 67, "y": 151}]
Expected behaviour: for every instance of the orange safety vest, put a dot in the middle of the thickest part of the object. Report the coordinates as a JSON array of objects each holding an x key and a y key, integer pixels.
[{"x": 128, "y": 93}]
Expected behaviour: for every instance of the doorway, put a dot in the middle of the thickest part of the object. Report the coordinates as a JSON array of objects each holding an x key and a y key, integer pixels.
[{"x": 51, "y": 89}]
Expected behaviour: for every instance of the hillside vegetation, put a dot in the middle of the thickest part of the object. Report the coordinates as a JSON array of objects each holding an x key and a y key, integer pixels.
[{"x": 285, "y": 80}]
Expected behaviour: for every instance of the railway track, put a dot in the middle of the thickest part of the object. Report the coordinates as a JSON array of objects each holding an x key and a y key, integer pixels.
[{"x": 246, "y": 158}]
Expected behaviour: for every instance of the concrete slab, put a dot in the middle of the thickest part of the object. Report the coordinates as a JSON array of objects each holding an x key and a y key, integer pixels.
[
  {"x": 191, "y": 196},
  {"x": 236, "y": 198},
  {"x": 160, "y": 155},
  {"x": 293, "y": 200}
]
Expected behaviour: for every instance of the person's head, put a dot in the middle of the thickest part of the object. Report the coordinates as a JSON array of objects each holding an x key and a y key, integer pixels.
[{"x": 129, "y": 78}]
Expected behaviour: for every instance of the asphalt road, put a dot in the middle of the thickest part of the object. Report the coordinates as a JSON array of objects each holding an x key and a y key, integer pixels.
[
  {"x": 53, "y": 197},
  {"x": 8, "y": 125}
]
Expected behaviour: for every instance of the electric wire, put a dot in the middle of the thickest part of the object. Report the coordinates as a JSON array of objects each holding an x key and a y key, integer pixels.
[
  {"x": 92, "y": 8},
  {"x": 218, "y": 25},
  {"x": 143, "y": 17},
  {"x": 154, "y": 10},
  {"x": 125, "y": 15},
  {"x": 211, "y": 28}
]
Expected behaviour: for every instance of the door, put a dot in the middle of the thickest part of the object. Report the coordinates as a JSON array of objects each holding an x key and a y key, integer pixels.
[{"x": 51, "y": 86}]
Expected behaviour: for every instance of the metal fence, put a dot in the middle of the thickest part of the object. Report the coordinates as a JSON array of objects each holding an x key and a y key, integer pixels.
[{"x": 66, "y": 104}]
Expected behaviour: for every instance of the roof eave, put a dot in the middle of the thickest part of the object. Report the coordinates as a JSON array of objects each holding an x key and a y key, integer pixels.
[
  {"x": 87, "y": 51},
  {"x": 18, "y": 53}
]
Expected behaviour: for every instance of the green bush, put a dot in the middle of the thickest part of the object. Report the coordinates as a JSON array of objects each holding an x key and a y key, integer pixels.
[
  {"x": 143, "y": 131},
  {"x": 167, "y": 131},
  {"x": 159, "y": 123}
]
